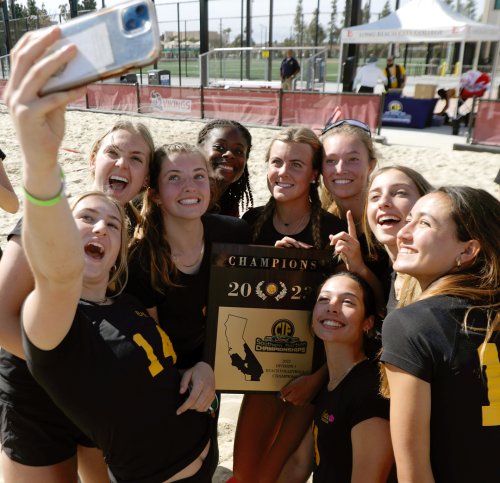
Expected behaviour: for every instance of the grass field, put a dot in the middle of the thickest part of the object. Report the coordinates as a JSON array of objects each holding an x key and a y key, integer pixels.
[
  {"x": 236, "y": 69},
  {"x": 233, "y": 68}
]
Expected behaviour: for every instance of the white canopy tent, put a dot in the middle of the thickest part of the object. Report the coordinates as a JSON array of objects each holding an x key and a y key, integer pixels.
[{"x": 424, "y": 21}]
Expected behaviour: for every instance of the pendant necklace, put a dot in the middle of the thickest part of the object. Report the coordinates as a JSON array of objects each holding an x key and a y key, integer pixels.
[
  {"x": 293, "y": 227},
  {"x": 333, "y": 383}
]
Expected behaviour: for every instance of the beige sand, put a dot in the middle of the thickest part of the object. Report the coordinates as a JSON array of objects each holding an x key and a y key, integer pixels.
[{"x": 427, "y": 152}]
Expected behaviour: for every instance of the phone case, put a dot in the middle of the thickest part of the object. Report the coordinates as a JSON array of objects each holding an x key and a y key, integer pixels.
[{"x": 109, "y": 42}]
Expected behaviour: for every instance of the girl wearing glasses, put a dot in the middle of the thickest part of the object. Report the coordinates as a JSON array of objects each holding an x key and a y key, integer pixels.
[
  {"x": 227, "y": 145},
  {"x": 269, "y": 428},
  {"x": 441, "y": 353}
]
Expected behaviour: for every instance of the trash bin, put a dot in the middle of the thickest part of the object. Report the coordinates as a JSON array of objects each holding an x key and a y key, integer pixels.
[
  {"x": 159, "y": 77},
  {"x": 128, "y": 79},
  {"x": 348, "y": 72}
]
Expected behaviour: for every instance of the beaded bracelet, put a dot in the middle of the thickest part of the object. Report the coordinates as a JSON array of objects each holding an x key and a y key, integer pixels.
[{"x": 50, "y": 202}]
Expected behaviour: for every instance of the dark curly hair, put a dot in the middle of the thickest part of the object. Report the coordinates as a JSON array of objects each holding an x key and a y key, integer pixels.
[{"x": 239, "y": 192}]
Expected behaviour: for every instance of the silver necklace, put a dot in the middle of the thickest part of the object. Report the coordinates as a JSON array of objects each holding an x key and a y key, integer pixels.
[
  {"x": 198, "y": 258},
  {"x": 333, "y": 383}
]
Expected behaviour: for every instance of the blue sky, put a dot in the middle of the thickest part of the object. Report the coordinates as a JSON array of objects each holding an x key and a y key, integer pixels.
[{"x": 225, "y": 14}]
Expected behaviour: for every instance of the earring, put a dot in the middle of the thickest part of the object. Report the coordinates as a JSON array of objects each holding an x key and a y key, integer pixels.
[
  {"x": 459, "y": 262},
  {"x": 313, "y": 181}
]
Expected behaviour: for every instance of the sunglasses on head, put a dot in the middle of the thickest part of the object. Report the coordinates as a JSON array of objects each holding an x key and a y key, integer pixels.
[{"x": 351, "y": 122}]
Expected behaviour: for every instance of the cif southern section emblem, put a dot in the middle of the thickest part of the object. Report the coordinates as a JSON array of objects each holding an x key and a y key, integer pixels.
[
  {"x": 281, "y": 339},
  {"x": 276, "y": 290}
]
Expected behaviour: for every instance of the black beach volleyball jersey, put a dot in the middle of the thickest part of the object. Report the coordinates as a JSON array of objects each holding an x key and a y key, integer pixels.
[
  {"x": 428, "y": 340},
  {"x": 113, "y": 375},
  {"x": 330, "y": 225},
  {"x": 336, "y": 412},
  {"x": 182, "y": 309}
]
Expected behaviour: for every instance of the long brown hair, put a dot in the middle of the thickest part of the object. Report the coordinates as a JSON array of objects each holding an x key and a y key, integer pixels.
[
  {"x": 301, "y": 135},
  {"x": 150, "y": 243},
  {"x": 476, "y": 215}
]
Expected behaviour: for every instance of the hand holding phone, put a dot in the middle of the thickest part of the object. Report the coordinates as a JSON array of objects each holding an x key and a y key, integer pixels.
[{"x": 109, "y": 42}]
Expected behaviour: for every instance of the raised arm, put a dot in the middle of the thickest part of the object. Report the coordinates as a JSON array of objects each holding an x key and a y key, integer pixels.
[
  {"x": 52, "y": 244},
  {"x": 347, "y": 246}
]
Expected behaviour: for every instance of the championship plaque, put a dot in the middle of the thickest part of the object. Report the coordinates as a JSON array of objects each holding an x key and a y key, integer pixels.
[{"x": 259, "y": 311}]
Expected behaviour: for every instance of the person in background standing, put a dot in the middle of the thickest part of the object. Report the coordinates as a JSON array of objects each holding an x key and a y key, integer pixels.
[
  {"x": 368, "y": 76},
  {"x": 395, "y": 73},
  {"x": 289, "y": 69}
]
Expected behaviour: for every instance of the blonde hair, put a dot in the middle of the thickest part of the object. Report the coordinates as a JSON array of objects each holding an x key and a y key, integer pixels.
[
  {"x": 119, "y": 273},
  {"x": 328, "y": 201},
  {"x": 137, "y": 128}
]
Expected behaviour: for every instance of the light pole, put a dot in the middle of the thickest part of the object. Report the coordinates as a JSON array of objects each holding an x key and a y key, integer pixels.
[
  {"x": 317, "y": 27},
  {"x": 263, "y": 34}
]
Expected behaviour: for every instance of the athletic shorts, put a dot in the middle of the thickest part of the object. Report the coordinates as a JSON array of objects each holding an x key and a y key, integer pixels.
[{"x": 32, "y": 438}]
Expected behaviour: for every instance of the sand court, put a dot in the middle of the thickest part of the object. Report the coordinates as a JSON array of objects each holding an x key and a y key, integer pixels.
[{"x": 428, "y": 151}]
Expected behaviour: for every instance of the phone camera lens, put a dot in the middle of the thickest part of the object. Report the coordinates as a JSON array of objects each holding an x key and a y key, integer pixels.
[
  {"x": 134, "y": 18},
  {"x": 131, "y": 24}
]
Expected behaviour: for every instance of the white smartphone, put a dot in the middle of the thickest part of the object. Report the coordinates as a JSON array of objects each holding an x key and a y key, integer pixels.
[{"x": 110, "y": 42}]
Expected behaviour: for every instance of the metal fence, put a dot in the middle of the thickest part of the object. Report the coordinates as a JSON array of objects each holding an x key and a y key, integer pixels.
[{"x": 19, "y": 26}]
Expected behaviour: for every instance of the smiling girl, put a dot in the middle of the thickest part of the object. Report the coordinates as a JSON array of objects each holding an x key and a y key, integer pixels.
[
  {"x": 170, "y": 260},
  {"x": 84, "y": 347},
  {"x": 227, "y": 145},
  {"x": 392, "y": 192},
  {"x": 441, "y": 353},
  {"x": 271, "y": 428},
  {"x": 119, "y": 163},
  {"x": 348, "y": 159},
  {"x": 351, "y": 428},
  {"x": 294, "y": 209},
  {"x": 39, "y": 442}
]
